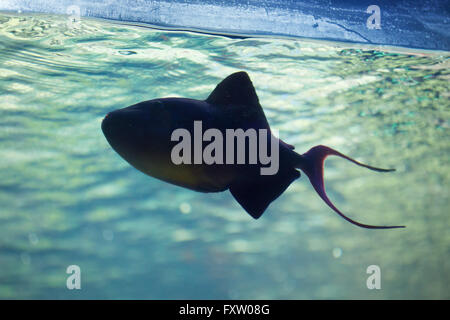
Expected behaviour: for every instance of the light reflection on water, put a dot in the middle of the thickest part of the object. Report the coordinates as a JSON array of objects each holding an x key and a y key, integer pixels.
[{"x": 66, "y": 198}]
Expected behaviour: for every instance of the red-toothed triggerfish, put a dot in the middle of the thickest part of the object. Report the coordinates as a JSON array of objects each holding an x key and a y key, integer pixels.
[{"x": 143, "y": 134}]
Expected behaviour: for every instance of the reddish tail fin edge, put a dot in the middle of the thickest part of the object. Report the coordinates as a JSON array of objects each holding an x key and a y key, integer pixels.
[{"x": 314, "y": 168}]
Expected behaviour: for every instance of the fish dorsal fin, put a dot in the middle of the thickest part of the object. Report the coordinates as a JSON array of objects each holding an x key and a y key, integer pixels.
[
  {"x": 255, "y": 195},
  {"x": 236, "y": 89},
  {"x": 238, "y": 96}
]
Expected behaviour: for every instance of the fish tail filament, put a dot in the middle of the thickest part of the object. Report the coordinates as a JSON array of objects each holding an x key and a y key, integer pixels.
[{"x": 313, "y": 165}]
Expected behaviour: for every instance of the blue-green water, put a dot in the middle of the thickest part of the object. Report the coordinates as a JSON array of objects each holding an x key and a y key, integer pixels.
[{"x": 66, "y": 198}]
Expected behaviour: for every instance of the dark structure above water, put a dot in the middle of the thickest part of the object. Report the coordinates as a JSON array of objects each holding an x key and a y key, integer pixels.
[{"x": 417, "y": 24}]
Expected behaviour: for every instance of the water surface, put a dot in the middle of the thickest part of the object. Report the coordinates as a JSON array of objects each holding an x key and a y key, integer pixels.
[{"x": 67, "y": 198}]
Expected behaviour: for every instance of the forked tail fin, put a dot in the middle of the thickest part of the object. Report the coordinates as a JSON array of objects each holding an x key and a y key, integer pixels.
[{"x": 313, "y": 168}]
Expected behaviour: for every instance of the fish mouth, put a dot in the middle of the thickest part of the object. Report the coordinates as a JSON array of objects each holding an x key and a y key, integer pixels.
[
  {"x": 106, "y": 125},
  {"x": 113, "y": 126},
  {"x": 114, "y": 121}
]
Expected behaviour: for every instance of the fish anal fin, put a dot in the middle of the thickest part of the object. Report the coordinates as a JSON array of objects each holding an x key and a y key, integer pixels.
[{"x": 255, "y": 195}]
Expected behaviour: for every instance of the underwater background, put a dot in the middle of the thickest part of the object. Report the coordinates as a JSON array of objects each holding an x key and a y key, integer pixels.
[{"x": 66, "y": 198}]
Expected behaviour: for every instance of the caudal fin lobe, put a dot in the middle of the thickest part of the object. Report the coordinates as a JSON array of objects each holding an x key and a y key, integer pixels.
[{"x": 313, "y": 168}]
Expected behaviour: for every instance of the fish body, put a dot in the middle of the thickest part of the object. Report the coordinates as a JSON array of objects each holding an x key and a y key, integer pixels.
[{"x": 147, "y": 134}]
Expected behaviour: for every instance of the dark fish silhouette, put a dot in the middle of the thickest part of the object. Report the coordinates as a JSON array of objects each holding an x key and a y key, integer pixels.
[{"x": 141, "y": 134}]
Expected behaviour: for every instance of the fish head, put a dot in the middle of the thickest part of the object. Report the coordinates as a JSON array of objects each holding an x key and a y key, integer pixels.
[{"x": 137, "y": 131}]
